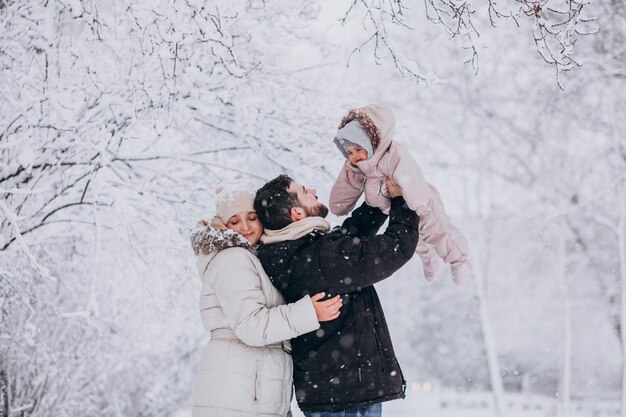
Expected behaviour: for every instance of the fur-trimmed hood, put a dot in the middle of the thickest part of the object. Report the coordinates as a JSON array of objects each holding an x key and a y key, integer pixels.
[
  {"x": 208, "y": 240},
  {"x": 378, "y": 121}
]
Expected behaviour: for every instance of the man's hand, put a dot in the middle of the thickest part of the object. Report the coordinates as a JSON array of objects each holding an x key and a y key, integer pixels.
[
  {"x": 393, "y": 189},
  {"x": 326, "y": 310}
]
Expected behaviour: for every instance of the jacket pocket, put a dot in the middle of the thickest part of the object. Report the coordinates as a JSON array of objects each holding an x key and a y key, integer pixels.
[
  {"x": 379, "y": 348},
  {"x": 379, "y": 189}
]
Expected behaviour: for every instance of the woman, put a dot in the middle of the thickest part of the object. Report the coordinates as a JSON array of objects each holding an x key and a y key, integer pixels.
[{"x": 246, "y": 369}]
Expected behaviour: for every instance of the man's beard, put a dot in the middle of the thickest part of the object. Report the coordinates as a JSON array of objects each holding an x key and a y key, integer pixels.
[{"x": 318, "y": 211}]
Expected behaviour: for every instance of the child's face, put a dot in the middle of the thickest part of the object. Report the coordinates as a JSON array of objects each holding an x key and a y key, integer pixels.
[{"x": 356, "y": 154}]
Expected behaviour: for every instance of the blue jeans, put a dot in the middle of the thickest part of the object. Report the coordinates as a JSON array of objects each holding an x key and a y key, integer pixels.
[{"x": 375, "y": 410}]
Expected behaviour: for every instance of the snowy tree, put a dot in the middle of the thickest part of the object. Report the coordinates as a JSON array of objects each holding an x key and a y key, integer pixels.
[
  {"x": 117, "y": 121},
  {"x": 118, "y": 118},
  {"x": 554, "y": 25}
]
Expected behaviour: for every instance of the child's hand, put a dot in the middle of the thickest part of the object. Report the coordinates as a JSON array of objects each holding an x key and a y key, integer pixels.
[
  {"x": 394, "y": 190},
  {"x": 326, "y": 310}
]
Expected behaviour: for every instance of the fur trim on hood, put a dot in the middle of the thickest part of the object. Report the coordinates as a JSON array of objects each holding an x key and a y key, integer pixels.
[
  {"x": 377, "y": 120},
  {"x": 208, "y": 240}
]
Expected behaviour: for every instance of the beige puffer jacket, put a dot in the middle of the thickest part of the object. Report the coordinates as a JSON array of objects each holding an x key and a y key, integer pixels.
[{"x": 244, "y": 370}]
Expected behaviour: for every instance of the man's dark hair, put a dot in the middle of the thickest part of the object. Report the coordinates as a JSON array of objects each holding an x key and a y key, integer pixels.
[{"x": 273, "y": 203}]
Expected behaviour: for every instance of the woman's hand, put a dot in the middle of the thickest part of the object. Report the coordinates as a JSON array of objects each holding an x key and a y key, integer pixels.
[{"x": 326, "y": 310}]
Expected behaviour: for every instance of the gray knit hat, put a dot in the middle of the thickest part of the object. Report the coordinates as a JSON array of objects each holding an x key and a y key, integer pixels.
[{"x": 353, "y": 134}]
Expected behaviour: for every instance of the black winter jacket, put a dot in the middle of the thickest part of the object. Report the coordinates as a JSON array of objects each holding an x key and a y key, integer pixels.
[{"x": 349, "y": 362}]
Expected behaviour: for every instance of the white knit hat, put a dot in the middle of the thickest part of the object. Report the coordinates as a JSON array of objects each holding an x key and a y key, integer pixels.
[{"x": 233, "y": 197}]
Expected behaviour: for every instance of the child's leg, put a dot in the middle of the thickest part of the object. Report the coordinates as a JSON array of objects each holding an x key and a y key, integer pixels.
[
  {"x": 437, "y": 231},
  {"x": 431, "y": 262}
]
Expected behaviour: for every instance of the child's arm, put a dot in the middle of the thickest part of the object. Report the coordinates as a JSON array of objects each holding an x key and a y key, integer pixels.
[
  {"x": 346, "y": 191},
  {"x": 408, "y": 175}
]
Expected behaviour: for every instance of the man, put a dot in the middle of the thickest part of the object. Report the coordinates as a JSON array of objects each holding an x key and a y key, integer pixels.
[{"x": 348, "y": 366}]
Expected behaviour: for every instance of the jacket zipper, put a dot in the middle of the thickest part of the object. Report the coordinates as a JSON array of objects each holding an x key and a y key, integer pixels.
[
  {"x": 358, "y": 358},
  {"x": 363, "y": 190},
  {"x": 257, "y": 380},
  {"x": 403, "y": 380}
]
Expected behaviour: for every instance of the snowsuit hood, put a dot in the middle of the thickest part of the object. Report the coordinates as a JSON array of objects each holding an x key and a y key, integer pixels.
[{"x": 379, "y": 123}]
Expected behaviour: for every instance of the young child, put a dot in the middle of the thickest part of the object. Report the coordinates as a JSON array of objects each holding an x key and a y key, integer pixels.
[{"x": 365, "y": 138}]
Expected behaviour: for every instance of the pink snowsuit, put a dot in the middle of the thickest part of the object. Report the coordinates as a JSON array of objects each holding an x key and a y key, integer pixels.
[{"x": 439, "y": 238}]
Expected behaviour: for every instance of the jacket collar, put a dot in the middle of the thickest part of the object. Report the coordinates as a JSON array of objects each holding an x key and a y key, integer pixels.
[{"x": 208, "y": 240}]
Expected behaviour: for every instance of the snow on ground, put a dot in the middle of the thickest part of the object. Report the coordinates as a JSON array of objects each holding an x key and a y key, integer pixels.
[{"x": 479, "y": 404}]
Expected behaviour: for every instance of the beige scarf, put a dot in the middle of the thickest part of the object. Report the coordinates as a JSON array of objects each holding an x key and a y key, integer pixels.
[{"x": 295, "y": 230}]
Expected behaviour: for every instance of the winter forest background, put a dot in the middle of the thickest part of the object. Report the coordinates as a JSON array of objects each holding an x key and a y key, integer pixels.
[{"x": 118, "y": 117}]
